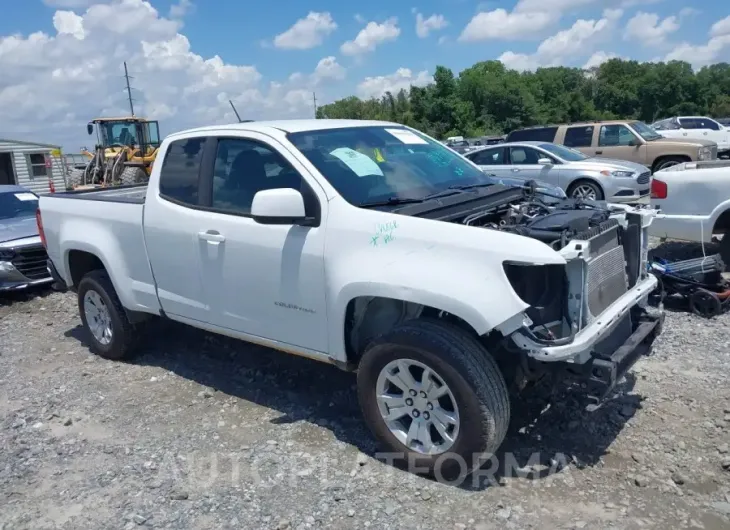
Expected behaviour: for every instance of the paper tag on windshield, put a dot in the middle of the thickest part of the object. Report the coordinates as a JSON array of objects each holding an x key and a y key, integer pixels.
[
  {"x": 406, "y": 136},
  {"x": 26, "y": 197},
  {"x": 361, "y": 164}
]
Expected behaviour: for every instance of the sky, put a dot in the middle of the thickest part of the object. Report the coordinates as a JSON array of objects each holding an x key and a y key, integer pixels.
[{"x": 61, "y": 61}]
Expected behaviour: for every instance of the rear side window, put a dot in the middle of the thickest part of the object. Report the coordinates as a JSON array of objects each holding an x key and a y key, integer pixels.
[
  {"x": 538, "y": 134},
  {"x": 181, "y": 170},
  {"x": 578, "y": 136},
  {"x": 488, "y": 157}
]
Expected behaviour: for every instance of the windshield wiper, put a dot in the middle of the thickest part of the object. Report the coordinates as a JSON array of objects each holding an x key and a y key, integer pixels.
[
  {"x": 390, "y": 201},
  {"x": 471, "y": 186}
]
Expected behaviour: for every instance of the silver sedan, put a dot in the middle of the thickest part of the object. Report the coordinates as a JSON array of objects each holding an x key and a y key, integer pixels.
[{"x": 578, "y": 175}]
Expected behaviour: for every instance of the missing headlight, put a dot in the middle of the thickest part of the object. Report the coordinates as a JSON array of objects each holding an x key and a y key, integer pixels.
[{"x": 542, "y": 287}]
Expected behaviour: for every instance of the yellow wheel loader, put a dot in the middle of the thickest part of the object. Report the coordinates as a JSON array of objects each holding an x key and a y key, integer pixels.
[{"x": 124, "y": 153}]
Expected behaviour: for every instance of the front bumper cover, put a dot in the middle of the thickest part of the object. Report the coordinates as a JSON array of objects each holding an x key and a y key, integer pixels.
[{"x": 11, "y": 279}]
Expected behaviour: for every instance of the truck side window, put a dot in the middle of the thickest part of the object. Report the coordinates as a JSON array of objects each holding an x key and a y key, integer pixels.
[
  {"x": 243, "y": 168},
  {"x": 180, "y": 170},
  {"x": 581, "y": 136},
  {"x": 615, "y": 135}
]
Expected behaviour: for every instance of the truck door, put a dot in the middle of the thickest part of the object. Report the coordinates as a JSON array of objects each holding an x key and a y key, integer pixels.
[
  {"x": 619, "y": 142},
  {"x": 263, "y": 280},
  {"x": 171, "y": 224}
]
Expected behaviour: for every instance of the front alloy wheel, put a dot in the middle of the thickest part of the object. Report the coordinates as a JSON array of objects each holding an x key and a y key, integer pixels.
[{"x": 417, "y": 406}]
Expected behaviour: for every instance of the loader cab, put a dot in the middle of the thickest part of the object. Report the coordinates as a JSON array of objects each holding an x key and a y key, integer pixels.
[{"x": 126, "y": 132}]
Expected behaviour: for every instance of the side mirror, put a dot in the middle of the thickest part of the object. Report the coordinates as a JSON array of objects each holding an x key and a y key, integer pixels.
[
  {"x": 90, "y": 128},
  {"x": 545, "y": 162},
  {"x": 632, "y": 143},
  {"x": 283, "y": 206}
]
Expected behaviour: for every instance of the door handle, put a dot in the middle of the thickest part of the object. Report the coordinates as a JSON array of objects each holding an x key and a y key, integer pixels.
[
  {"x": 599, "y": 152},
  {"x": 515, "y": 170},
  {"x": 212, "y": 236}
]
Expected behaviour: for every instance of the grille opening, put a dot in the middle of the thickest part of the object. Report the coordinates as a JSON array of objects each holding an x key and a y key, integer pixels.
[{"x": 31, "y": 262}]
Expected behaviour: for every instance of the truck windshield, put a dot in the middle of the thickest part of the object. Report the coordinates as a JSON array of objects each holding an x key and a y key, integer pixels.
[
  {"x": 366, "y": 164},
  {"x": 17, "y": 204},
  {"x": 646, "y": 132}
]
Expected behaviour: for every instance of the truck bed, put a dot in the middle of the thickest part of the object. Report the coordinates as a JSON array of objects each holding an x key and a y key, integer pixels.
[{"x": 134, "y": 193}]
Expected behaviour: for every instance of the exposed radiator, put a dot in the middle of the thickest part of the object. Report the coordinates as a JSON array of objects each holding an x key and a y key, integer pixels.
[{"x": 606, "y": 279}]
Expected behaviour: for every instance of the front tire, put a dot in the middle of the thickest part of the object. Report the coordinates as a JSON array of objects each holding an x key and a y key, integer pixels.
[
  {"x": 666, "y": 162},
  {"x": 434, "y": 397},
  {"x": 111, "y": 335},
  {"x": 132, "y": 175},
  {"x": 585, "y": 189}
]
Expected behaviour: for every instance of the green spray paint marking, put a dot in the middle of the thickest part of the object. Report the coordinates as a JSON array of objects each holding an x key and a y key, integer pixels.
[{"x": 383, "y": 233}]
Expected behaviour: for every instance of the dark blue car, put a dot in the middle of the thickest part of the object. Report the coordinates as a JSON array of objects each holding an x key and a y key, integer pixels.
[{"x": 22, "y": 255}]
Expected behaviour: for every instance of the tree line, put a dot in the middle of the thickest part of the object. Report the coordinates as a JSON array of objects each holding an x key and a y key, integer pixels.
[{"x": 489, "y": 99}]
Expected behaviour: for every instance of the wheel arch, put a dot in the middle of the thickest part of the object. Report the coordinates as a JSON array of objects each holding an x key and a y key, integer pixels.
[
  {"x": 662, "y": 158},
  {"x": 368, "y": 316}
]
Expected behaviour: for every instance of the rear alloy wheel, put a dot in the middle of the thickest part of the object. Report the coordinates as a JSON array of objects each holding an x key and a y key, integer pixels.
[
  {"x": 586, "y": 190},
  {"x": 111, "y": 334}
]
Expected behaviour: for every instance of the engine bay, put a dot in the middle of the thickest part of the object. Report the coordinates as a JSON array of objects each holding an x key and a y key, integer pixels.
[{"x": 543, "y": 217}]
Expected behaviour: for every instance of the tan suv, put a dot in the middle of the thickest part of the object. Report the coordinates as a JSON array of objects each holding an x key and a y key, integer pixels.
[{"x": 628, "y": 140}]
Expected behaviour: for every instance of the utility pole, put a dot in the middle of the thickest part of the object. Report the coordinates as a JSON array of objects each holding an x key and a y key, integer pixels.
[
  {"x": 129, "y": 88},
  {"x": 314, "y": 99}
]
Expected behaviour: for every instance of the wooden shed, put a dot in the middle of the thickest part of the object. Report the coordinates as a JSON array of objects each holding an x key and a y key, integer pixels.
[{"x": 38, "y": 167}]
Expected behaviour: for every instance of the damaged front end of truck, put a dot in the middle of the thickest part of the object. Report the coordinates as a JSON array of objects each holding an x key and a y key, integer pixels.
[{"x": 589, "y": 318}]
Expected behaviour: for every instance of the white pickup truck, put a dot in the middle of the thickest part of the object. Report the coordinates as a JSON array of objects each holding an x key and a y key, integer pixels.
[
  {"x": 694, "y": 199},
  {"x": 373, "y": 247}
]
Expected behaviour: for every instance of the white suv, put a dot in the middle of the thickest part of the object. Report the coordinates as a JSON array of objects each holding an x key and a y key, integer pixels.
[{"x": 696, "y": 127}]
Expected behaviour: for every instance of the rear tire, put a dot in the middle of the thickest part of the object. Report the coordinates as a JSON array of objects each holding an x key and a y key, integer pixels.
[
  {"x": 110, "y": 333},
  {"x": 472, "y": 379},
  {"x": 132, "y": 175},
  {"x": 585, "y": 189}
]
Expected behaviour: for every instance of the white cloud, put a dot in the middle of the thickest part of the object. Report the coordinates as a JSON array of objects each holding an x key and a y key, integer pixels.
[
  {"x": 567, "y": 45},
  {"x": 688, "y": 12},
  {"x": 69, "y": 23},
  {"x": 424, "y": 26},
  {"x": 403, "y": 78},
  {"x": 649, "y": 29},
  {"x": 551, "y": 5},
  {"x": 306, "y": 33},
  {"x": 503, "y": 25},
  {"x": 181, "y": 9},
  {"x": 71, "y": 4},
  {"x": 720, "y": 28},
  {"x": 519, "y": 61},
  {"x": 598, "y": 58},
  {"x": 328, "y": 68},
  {"x": 371, "y": 36},
  {"x": 563, "y": 6},
  {"x": 716, "y": 50},
  {"x": 53, "y": 83}
]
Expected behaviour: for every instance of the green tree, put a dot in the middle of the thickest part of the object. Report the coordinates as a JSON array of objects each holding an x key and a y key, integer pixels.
[{"x": 488, "y": 98}]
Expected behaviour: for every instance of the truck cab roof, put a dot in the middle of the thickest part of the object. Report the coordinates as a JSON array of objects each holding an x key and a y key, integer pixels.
[{"x": 288, "y": 126}]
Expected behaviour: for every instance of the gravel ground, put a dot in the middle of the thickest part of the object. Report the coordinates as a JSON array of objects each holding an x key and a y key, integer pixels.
[{"x": 204, "y": 432}]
